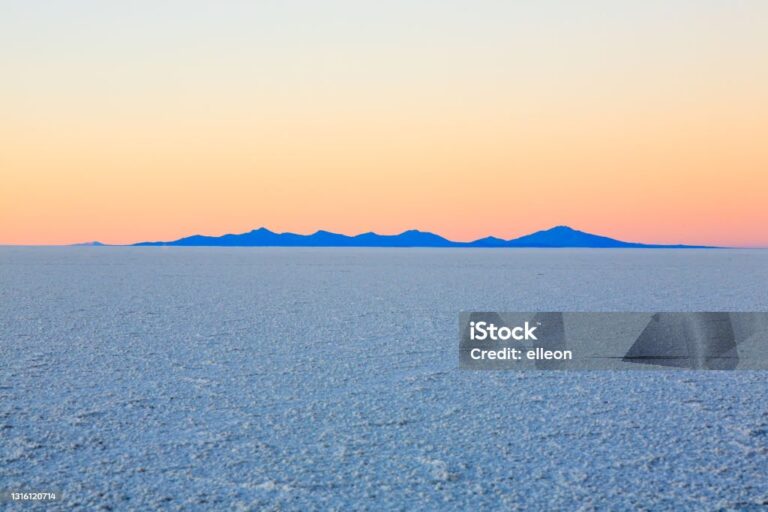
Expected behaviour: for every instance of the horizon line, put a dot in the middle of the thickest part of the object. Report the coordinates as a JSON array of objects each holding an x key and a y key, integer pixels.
[{"x": 96, "y": 243}]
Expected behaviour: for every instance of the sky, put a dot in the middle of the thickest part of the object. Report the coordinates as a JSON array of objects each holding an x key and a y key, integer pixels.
[{"x": 152, "y": 120}]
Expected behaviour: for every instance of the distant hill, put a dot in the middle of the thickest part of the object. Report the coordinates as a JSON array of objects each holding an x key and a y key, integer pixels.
[
  {"x": 564, "y": 236},
  {"x": 90, "y": 244},
  {"x": 559, "y": 236}
]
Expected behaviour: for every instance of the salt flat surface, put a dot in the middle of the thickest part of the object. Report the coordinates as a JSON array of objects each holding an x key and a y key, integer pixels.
[{"x": 301, "y": 379}]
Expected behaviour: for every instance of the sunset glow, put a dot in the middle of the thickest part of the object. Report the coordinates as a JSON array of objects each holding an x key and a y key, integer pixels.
[{"x": 157, "y": 120}]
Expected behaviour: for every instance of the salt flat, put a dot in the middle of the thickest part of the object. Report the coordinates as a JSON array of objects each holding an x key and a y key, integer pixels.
[{"x": 301, "y": 379}]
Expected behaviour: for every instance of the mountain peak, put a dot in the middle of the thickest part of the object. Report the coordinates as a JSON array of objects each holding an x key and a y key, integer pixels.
[
  {"x": 561, "y": 228},
  {"x": 566, "y": 236}
]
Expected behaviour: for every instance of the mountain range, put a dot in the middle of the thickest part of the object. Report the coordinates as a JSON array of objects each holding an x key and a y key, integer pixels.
[{"x": 558, "y": 236}]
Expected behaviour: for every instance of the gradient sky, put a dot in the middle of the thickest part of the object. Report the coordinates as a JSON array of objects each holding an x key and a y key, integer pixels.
[{"x": 153, "y": 120}]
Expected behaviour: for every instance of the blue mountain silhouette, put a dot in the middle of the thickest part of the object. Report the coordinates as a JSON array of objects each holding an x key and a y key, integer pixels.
[
  {"x": 559, "y": 236},
  {"x": 564, "y": 236},
  {"x": 95, "y": 243}
]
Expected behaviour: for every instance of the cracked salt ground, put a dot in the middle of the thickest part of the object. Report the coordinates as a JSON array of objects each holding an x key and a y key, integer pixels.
[{"x": 322, "y": 379}]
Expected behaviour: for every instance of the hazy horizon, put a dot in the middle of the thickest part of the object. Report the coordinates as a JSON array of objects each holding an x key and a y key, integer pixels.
[{"x": 650, "y": 244}]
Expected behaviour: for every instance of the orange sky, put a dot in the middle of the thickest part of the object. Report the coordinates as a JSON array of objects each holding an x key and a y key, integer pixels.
[{"x": 646, "y": 123}]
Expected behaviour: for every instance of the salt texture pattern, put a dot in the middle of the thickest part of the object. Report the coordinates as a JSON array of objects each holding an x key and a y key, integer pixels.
[{"x": 322, "y": 379}]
